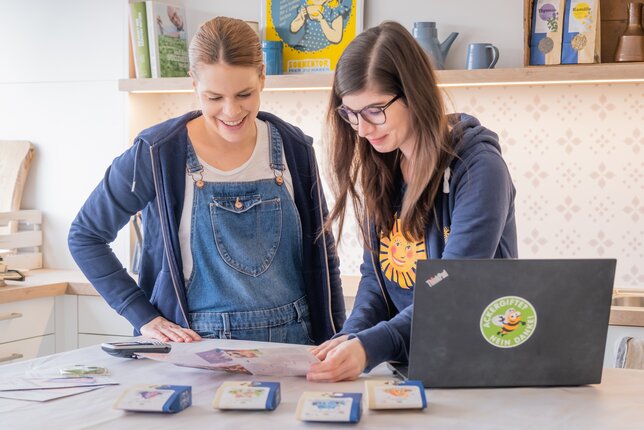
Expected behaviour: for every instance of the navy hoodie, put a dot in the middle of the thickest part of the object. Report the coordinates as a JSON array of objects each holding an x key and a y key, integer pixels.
[
  {"x": 150, "y": 177},
  {"x": 475, "y": 219}
]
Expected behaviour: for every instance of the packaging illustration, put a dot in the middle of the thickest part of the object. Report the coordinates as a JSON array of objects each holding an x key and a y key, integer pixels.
[
  {"x": 547, "y": 29},
  {"x": 581, "y": 38}
]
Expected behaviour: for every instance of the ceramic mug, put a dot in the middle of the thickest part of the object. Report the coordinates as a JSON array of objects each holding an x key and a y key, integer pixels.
[
  {"x": 481, "y": 56},
  {"x": 272, "y": 53}
]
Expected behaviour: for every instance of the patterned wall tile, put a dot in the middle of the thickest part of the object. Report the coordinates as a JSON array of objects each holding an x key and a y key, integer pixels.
[{"x": 575, "y": 152}]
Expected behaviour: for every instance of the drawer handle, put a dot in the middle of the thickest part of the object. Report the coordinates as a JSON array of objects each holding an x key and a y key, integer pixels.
[
  {"x": 11, "y": 357},
  {"x": 10, "y": 316}
]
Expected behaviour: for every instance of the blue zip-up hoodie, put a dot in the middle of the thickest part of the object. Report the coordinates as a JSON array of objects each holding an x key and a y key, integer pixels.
[
  {"x": 476, "y": 207},
  {"x": 150, "y": 177}
]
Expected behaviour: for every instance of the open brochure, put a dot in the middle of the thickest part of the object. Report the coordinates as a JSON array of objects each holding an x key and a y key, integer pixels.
[{"x": 266, "y": 359}]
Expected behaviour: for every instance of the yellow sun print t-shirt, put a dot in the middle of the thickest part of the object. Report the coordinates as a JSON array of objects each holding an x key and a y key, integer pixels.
[{"x": 398, "y": 257}]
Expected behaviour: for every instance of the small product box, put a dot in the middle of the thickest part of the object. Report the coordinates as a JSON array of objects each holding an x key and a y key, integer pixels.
[
  {"x": 247, "y": 395},
  {"x": 392, "y": 394},
  {"x": 155, "y": 398},
  {"x": 329, "y": 407}
]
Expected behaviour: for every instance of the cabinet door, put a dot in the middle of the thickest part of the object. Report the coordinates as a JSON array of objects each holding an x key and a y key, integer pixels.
[
  {"x": 26, "y": 318},
  {"x": 11, "y": 352},
  {"x": 95, "y": 316}
]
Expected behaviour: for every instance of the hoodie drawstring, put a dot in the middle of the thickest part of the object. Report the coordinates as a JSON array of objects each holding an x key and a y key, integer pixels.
[
  {"x": 136, "y": 158},
  {"x": 446, "y": 177}
]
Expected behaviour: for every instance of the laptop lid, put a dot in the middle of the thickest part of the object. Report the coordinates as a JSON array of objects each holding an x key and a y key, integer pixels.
[{"x": 503, "y": 323}]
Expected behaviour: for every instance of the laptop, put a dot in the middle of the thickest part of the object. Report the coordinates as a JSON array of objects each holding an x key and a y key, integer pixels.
[{"x": 509, "y": 323}]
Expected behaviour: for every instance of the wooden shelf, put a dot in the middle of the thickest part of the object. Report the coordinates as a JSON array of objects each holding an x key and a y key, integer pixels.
[{"x": 538, "y": 75}]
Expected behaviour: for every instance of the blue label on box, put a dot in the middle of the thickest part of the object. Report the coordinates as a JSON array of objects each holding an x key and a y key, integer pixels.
[
  {"x": 156, "y": 398},
  {"x": 330, "y": 407},
  {"x": 252, "y": 395}
]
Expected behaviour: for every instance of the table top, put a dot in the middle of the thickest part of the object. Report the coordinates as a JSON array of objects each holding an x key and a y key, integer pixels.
[{"x": 615, "y": 403}]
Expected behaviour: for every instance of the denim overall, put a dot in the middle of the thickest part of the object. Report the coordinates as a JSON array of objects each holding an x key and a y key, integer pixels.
[{"x": 246, "y": 240}]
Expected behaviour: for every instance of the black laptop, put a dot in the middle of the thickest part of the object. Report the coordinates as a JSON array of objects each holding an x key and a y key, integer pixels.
[{"x": 509, "y": 323}]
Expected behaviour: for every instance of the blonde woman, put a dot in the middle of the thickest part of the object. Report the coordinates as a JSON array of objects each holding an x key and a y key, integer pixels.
[
  {"x": 232, "y": 214},
  {"x": 429, "y": 185}
]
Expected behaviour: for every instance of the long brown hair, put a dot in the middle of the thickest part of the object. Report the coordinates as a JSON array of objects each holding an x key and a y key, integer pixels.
[
  {"x": 387, "y": 59},
  {"x": 228, "y": 40}
]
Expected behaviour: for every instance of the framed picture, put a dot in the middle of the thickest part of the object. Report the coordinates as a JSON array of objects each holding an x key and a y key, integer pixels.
[{"x": 314, "y": 32}]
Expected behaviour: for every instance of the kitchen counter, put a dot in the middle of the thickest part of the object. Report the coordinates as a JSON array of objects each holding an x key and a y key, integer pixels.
[
  {"x": 47, "y": 283},
  {"x": 53, "y": 282}
]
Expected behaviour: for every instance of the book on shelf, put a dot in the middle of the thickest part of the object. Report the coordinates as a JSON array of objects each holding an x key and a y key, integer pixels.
[
  {"x": 167, "y": 39},
  {"x": 139, "y": 36}
]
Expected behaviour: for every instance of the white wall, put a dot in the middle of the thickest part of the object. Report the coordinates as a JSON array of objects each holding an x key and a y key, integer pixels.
[
  {"x": 62, "y": 59},
  {"x": 576, "y": 152},
  {"x": 58, "y": 89},
  {"x": 472, "y": 19}
]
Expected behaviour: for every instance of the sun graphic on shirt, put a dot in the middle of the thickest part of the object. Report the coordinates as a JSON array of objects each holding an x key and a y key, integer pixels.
[{"x": 398, "y": 257}]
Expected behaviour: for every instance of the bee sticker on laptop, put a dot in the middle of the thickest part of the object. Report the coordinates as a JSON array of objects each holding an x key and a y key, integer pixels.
[{"x": 508, "y": 321}]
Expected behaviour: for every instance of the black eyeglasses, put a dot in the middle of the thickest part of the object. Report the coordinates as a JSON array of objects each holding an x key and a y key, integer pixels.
[{"x": 372, "y": 114}]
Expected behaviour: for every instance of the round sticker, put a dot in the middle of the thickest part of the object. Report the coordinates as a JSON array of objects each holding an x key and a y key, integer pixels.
[{"x": 508, "y": 321}]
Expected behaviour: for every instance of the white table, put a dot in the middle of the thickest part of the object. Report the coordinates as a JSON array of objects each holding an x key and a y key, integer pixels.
[{"x": 617, "y": 403}]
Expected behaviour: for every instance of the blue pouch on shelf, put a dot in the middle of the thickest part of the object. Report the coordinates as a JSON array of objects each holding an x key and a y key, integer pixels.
[
  {"x": 547, "y": 27},
  {"x": 581, "y": 32}
]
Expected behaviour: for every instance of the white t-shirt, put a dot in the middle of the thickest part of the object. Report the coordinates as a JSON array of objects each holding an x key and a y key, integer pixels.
[{"x": 257, "y": 167}]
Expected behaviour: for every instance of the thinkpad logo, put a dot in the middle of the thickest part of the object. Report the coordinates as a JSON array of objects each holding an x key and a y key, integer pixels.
[{"x": 432, "y": 281}]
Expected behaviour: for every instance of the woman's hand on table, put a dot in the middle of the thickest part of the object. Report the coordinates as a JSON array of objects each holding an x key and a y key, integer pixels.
[
  {"x": 164, "y": 330},
  {"x": 344, "y": 359}
]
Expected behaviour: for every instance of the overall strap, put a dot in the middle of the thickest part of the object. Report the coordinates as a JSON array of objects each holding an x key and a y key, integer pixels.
[{"x": 275, "y": 151}]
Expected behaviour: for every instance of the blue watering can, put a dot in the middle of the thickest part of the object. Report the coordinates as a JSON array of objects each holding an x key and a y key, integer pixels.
[{"x": 427, "y": 37}]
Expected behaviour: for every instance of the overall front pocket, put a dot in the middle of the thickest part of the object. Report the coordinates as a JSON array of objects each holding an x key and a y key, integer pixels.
[{"x": 247, "y": 231}]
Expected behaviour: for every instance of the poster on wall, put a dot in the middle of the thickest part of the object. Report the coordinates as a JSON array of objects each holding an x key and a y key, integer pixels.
[{"x": 314, "y": 32}]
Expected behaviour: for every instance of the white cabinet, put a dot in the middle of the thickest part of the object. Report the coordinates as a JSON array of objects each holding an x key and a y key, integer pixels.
[
  {"x": 26, "y": 329},
  {"x": 25, "y": 349},
  {"x": 95, "y": 316},
  {"x": 87, "y": 320},
  {"x": 98, "y": 322}
]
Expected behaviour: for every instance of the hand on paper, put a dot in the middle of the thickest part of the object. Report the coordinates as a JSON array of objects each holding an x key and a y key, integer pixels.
[
  {"x": 343, "y": 360},
  {"x": 322, "y": 350},
  {"x": 164, "y": 330}
]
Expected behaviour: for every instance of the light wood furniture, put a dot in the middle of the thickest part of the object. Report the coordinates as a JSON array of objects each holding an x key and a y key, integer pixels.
[
  {"x": 538, "y": 75},
  {"x": 20, "y": 235},
  {"x": 54, "y": 311},
  {"x": 15, "y": 161},
  {"x": 614, "y": 20}
]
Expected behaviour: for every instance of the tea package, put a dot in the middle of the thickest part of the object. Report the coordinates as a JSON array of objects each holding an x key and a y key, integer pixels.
[
  {"x": 547, "y": 29},
  {"x": 329, "y": 407},
  {"x": 255, "y": 395},
  {"x": 581, "y": 38}
]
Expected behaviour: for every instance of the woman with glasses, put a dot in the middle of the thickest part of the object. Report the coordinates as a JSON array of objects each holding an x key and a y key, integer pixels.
[
  {"x": 423, "y": 184},
  {"x": 232, "y": 214}
]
